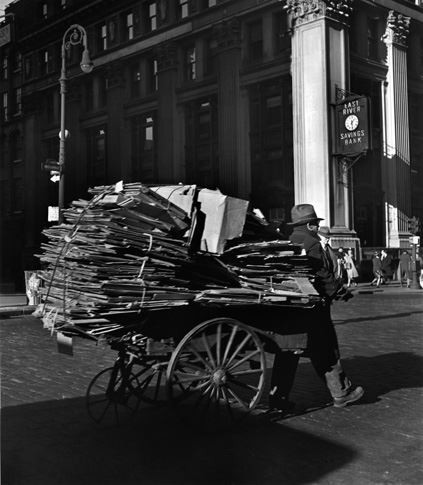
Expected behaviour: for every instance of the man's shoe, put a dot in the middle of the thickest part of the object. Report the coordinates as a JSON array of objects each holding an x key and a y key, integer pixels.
[{"x": 352, "y": 396}]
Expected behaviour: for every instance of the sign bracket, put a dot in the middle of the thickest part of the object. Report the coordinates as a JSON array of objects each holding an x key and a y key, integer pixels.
[{"x": 347, "y": 162}]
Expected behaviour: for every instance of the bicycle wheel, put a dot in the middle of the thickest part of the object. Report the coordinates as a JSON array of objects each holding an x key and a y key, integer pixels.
[
  {"x": 111, "y": 397},
  {"x": 216, "y": 373},
  {"x": 151, "y": 380}
]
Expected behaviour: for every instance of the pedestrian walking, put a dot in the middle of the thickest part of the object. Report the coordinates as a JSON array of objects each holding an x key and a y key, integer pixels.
[
  {"x": 324, "y": 234},
  {"x": 405, "y": 268},
  {"x": 377, "y": 269},
  {"x": 350, "y": 268},
  {"x": 323, "y": 345},
  {"x": 386, "y": 266},
  {"x": 341, "y": 265}
]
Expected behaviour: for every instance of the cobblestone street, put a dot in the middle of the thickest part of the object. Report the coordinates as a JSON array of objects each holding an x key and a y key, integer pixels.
[{"x": 47, "y": 436}]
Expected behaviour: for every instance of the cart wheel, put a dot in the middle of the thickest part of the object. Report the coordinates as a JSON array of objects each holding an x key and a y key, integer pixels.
[
  {"x": 111, "y": 401},
  {"x": 151, "y": 378},
  {"x": 216, "y": 373}
]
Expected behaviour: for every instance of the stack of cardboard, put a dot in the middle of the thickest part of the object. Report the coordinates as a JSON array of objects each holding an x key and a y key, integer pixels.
[{"x": 132, "y": 249}]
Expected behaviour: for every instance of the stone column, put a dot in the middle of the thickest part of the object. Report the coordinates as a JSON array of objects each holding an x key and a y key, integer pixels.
[
  {"x": 396, "y": 154},
  {"x": 227, "y": 35},
  {"x": 320, "y": 64},
  {"x": 167, "y": 122},
  {"x": 115, "y": 96}
]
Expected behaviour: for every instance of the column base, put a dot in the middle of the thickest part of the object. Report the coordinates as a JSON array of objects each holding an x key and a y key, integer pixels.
[{"x": 345, "y": 238}]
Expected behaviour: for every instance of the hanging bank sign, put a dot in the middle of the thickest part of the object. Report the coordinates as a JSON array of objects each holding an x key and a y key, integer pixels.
[{"x": 352, "y": 134}]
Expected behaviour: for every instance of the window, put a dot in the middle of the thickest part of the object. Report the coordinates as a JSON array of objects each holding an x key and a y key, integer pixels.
[
  {"x": 153, "y": 80},
  {"x": 183, "y": 9},
  {"x": 208, "y": 3},
  {"x": 271, "y": 142},
  {"x": 129, "y": 26},
  {"x": 135, "y": 81},
  {"x": 15, "y": 146},
  {"x": 45, "y": 63},
  {"x": 5, "y": 68},
  {"x": 17, "y": 62},
  {"x": 28, "y": 66},
  {"x": 151, "y": 16},
  {"x": 17, "y": 101},
  {"x": 44, "y": 10},
  {"x": 111, "y": 31},
  {"x": 421, "y": 52},
  {"x": 255, "y": 41},
  {"x": 201, "y": 143},
  {"x": 372, "y": 38},
  {"x": 96, "y": 156},
  {"x": 101, "y": 37},
  {"x": 5, "y": 107},
  {"x": 190, "y": 64},
  {"x": 281, "y": 37},
  {"x": 143, "y": 148}
]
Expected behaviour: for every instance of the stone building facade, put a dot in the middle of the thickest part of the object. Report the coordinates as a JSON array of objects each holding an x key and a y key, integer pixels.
[{"x": 235, "y": 94}]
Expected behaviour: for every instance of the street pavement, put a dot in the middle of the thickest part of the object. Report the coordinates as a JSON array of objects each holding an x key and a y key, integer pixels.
[{"x": 47, "y": 437}]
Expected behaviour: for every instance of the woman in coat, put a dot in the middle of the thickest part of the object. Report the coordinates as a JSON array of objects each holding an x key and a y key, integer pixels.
[
  {"x": 350, "y": 268},
  {"x": 377, "y": 269},
  {"x": 386, "y": 263}
]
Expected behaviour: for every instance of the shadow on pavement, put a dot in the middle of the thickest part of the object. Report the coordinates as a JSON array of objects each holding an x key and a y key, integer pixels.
[
  {"x": 385, "y": 373},
  {"x": 372, "y": 318},
  {"x": 54, "y": 442},
  {"x": 379, "y": 375}
]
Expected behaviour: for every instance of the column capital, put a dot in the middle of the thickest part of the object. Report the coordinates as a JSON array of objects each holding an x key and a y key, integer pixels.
[
  {"x": 227, "y": 34},
  {"x": 397, "y": 29},
  {"x": 167, "y": 56},
  {"x": 302, "y": 11}
]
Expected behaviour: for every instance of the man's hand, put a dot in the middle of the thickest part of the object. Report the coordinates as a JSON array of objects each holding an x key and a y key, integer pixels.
[{"x": 343, "y": 294}]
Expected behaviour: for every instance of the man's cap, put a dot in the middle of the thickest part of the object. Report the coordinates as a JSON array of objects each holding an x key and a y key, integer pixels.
[
  {"x": 303, "y": 213},
  {"x": 324, "y": 231}
]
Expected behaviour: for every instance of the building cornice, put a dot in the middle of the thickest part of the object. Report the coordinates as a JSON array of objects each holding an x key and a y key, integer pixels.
[{"x": 303, "y": 11}]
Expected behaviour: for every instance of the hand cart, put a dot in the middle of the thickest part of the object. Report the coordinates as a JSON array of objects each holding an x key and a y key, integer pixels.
[{"x": 208, "y": 360}]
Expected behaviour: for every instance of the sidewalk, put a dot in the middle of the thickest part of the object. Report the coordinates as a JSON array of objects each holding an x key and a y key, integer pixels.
[{"x": 14, "y": 305}]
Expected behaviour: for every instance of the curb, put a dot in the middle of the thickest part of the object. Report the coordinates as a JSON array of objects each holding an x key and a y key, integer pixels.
[{"x": 17, "y": 311}]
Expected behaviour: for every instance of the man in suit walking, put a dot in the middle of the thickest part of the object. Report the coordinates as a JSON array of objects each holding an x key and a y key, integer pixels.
[{"x": 322, "y": 339}]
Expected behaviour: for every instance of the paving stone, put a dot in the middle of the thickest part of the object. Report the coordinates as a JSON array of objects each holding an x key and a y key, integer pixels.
[{"x": 47, "y": 437}]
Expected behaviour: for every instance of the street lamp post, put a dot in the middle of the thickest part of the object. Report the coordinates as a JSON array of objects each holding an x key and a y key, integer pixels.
[{"x": 75, "y": 35}]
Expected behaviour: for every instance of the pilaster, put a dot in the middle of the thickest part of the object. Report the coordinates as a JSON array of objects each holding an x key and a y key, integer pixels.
[
  {"x": 227, "y": 35},
  {"x": 168, "y": 120},
  {"x": 115, "y": 96},
  {"x": 396, "y": 181}
]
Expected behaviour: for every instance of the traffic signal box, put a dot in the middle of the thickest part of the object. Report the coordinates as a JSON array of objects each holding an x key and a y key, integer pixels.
[{"x": 53, "y": 167}]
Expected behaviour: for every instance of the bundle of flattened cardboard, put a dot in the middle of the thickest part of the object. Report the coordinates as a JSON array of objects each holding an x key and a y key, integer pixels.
[{"x": 133, "y": 248}]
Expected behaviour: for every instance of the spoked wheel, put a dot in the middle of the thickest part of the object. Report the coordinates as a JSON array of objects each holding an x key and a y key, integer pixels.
[
  {"x": 151, "y": 379},
  {"x": 112, "y": 398},
  {"x": 216, "y": 373}
]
